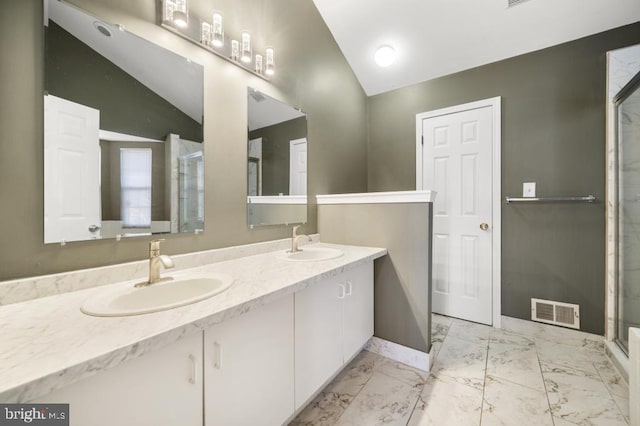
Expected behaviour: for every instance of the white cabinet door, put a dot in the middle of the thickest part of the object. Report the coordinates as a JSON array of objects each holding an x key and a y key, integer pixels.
[
  {"x": 160, "y": 388},
  {"x": 249, "y": 367},
  {"x": 318, "y": 336},
  {"x": 358, "y": 309}
]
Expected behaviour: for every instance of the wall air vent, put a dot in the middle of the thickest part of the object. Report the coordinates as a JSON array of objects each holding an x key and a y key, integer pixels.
[
  {"x": 557, "y": 313},
  {"x": 512, "y": 3}
]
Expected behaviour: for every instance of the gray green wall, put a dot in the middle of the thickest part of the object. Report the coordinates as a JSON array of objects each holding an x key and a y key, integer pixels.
[
  {"x": 312, "y": 74},
  {"x": 553, "y": 133},
  {"x": 402, "y": 288}
]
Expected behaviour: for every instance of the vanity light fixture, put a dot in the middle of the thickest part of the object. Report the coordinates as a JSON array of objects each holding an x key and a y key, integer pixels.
[
  {"x": 270, "y": 66},
  {"x": 235, "y": 50},
  {"x": 258, "y": 64},
  {"x": 205, "y": 34},
  {"x": 245, "y": 55},
  {"x": 209, "y": 34},
  {"x": 217, "y": 35},
  {"x": 175, "y": 11},
  {"x": 180, "y": 19},
  {"x": 385, "y": 56}
]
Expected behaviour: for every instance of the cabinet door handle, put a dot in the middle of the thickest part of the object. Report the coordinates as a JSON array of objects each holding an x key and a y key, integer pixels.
[
  {"x": 217, "y": 355},
  {"x": 193, "y": 377},
  {"x": 349, "y": 288},
  {"x": 341, "y": 291}
]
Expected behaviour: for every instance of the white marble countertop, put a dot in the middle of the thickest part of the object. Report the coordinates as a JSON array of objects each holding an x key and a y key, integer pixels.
[{"x": 48, "y": 343}]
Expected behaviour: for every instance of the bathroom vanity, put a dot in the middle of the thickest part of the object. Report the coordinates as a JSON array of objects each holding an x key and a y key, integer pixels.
[{"x": 254, "y": 354}]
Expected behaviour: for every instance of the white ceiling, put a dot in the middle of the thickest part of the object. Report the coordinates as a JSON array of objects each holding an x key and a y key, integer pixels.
[
  {"x": 433, "y": 38},
  {"x": 264, "y": 111}
]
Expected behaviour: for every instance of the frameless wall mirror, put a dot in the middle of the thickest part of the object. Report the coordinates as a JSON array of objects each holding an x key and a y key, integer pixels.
[
  {"x": 123, "y": 135},
  {"x": 276, "y": 163}
]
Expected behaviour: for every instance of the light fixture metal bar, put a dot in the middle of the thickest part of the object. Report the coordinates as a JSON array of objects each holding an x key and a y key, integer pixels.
[{"x": 219, "y": 53}]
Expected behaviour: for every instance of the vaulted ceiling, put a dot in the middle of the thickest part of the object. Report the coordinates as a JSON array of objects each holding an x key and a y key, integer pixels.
[{"x": 433, "y": 38}]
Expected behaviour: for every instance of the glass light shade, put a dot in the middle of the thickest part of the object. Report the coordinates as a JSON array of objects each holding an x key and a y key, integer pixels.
[
  {"x": 180, "y": 13},
  {"x": 235, "y": 50},
  {"x": 258, "y": 63},
  {"x": 270, "y": 66},
  {"x": 205, "y": 34},
  {"x": 217, "y": 35},
  {"x": 245, "y": 54},
  {"x": 385, "y": 56},
  {"x": 180, "y": 19}
]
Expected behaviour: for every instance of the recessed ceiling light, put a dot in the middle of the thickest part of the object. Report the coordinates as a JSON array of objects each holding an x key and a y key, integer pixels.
[{"x": 385, "y": 56}]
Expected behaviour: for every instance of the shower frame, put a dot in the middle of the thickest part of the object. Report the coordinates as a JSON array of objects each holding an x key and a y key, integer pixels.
[{"x": 630, "y": 88}]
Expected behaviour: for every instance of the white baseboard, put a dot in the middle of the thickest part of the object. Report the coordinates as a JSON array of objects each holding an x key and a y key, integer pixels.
[{"x": 400, "y": 353}]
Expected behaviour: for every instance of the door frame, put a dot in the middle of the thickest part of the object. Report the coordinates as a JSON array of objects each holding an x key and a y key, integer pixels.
[{"x": 496, "y": 191}]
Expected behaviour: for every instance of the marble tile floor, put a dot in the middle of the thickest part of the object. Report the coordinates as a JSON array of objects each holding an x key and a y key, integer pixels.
[{"x": 523, "y": 374}]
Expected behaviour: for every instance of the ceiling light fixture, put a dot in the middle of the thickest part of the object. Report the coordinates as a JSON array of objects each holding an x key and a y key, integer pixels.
[{"x": 385, "y": 56}]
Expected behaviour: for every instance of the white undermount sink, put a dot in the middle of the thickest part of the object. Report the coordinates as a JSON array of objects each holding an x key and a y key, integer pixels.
[
  {"x": 167, "y": 294},
  {"x": 311, "y": 254}
]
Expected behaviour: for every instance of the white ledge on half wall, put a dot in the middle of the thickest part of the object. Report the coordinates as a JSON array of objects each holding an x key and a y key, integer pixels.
[
  {"x": 427, "y": 196},
  {"x": 277, "y": 199}
]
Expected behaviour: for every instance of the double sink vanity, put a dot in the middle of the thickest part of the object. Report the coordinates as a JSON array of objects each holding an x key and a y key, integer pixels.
[
  {"x": 246, "y": 339},
  {"x": 243, "y": 335}
]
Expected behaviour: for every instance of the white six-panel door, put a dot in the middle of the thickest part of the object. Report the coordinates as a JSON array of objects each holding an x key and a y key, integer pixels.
[
  {"x": 457, "y": 164},
  {"x": 71, "y": 171},
  {"x": 298, "y": 167}
]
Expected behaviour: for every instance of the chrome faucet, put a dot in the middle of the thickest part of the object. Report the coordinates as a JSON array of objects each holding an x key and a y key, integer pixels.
[
  {"x": 155, "y": 259},
  {"x": 294, "y": 239}
]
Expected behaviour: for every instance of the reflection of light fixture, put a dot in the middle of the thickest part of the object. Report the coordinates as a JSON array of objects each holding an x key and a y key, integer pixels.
[
  {"x": 245, "y": 54},
  {"x": 385, "y": 56},
  {"x": 271, "y": 64},
  {"x": 205, "y": 34},
  {"x": 258, "y": 65},
  {"x": 235, "y": 50},
  {"x": 217, "y": 36}
]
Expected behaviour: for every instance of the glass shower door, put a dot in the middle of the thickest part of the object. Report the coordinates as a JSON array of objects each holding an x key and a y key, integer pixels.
[{"x": 628, "y": 133}]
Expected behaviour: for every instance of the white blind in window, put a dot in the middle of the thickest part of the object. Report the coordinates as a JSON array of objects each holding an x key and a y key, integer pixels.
[{"x": 135, "y": 187}]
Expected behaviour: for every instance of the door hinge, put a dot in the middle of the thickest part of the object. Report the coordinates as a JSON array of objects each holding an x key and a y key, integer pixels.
[{"x": 422, "y": 140}]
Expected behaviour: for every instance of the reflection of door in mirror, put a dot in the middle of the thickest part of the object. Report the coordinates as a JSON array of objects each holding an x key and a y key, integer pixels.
[
  {"x": 298, "y": 167},
  {"x": 71, "y": 167}
]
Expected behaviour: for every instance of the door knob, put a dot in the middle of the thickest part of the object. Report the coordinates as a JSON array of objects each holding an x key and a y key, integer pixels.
[
  {"x": 484, "y": 226},
  {"x": 94, "y": 228}
]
